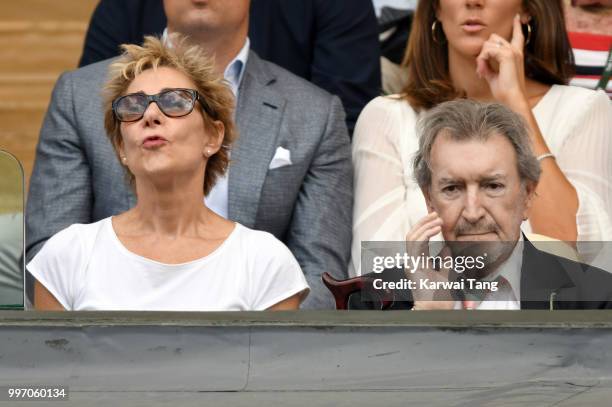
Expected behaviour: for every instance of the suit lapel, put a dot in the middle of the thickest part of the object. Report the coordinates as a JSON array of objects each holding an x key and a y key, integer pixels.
[
  {"x": 258, "y": 115},
  {"x": 543, "y": 279}
]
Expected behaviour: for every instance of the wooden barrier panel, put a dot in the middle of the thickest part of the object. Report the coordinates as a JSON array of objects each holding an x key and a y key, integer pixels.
[
  {"x": 39, "y": 39},
  {"x": 458, "y": 358}
]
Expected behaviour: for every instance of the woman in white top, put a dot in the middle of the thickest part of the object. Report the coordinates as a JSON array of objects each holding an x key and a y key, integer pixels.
[
  {"x": 169, "y": 119},
  {"x": 511, "y": 51}
]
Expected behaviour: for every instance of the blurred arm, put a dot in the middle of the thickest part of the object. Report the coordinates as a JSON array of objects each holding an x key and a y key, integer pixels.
[{"x": 60, "y": 187}]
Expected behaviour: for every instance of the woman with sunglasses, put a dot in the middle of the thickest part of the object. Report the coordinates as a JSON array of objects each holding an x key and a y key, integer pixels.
[
  {"x": 514, "y": 52},
  {"x": 169, "y": 119}
]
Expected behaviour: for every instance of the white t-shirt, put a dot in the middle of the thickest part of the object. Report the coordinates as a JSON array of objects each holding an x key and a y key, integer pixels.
[{"x": 86, "y": 267}]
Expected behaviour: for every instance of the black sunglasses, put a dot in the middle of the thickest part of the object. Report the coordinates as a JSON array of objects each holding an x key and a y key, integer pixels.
[{"x": 176, "y": 102}]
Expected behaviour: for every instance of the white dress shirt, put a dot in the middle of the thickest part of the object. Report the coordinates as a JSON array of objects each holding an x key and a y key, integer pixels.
[
  {"x": 218, "y": 197},
  {"x": 508, "y": 296}
]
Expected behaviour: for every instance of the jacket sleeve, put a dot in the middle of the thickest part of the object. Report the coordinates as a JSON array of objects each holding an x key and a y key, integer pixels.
[
  {"x": 60, "y": 187},
  {"x": 320, "y": 232}
]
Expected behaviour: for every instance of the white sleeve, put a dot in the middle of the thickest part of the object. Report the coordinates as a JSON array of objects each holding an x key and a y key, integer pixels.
[
  {"x": 56, "y": 265},
  {"x": 275, "y": 274},
  {"x": 586, "y": 160},
  {"x": 380, "y": 181}
]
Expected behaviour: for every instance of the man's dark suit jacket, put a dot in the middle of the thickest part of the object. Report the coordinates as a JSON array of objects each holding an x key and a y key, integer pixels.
[
  {"x": 332, "y": 43},
  {"x": 546, "y": 280}
]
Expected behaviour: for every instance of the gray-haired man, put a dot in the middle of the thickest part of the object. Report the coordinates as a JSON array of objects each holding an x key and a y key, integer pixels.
[{"x": 478, "y": 174}]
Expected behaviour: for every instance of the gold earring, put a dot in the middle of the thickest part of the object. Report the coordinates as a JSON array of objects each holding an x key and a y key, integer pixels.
[
  {"x": 528, "y": 40},
  {"x": 434, "y": 26}
]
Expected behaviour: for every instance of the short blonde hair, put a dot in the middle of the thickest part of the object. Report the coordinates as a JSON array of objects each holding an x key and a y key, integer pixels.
[{"x": 191, "y": 61}]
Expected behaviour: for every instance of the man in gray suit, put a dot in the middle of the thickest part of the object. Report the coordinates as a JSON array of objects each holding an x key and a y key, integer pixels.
[{"x": 290, "y": 175}]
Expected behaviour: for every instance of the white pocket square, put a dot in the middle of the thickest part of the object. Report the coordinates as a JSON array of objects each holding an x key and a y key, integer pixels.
[{"x": 281, "y": 158}]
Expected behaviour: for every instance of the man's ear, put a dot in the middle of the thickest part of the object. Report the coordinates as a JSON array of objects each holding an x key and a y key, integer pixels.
[
  {"x": 530, "y": 194},
  {"x": 215, "y": 140},
  {"x": 427, "y": 194}
]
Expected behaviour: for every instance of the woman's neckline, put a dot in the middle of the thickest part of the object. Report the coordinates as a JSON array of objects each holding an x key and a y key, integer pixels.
[
  {"x": 542, "y": 97},
  {"x": 141, "y": 258}
]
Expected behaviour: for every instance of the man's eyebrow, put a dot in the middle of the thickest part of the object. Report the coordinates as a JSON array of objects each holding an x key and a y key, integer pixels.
[
  {"x": 484, "y": 178},
  {"x": 446, "y": 180},
  {"x": 494, "y": 177}
]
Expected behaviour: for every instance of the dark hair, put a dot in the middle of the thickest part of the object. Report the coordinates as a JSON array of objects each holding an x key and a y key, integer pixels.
[{"x": 548, "y": 56}]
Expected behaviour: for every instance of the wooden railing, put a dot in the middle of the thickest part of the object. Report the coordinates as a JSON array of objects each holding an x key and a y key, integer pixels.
[{"x": 39, "y": 39}]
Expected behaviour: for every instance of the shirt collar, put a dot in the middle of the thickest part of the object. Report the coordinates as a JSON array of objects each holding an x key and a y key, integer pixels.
[
  {"x": 235, "y": 69},
  {"x": 511, "y": 269}
]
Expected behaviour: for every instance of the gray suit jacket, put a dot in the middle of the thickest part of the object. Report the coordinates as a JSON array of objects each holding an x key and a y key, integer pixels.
[{"x": 308, "y": 205}]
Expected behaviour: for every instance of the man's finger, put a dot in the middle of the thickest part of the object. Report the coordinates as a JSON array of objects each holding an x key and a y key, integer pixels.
[
  {"x": 422, "y": 223},
  {"x": 420, "y": 244},
  {"x": 424, "y": 231},
  {"x": 430, "y": 216},
  {"x": 429, "y": 233}
]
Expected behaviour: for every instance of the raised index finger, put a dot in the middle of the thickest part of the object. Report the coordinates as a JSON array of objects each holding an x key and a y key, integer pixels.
[{"x": 518, "y": 40}]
